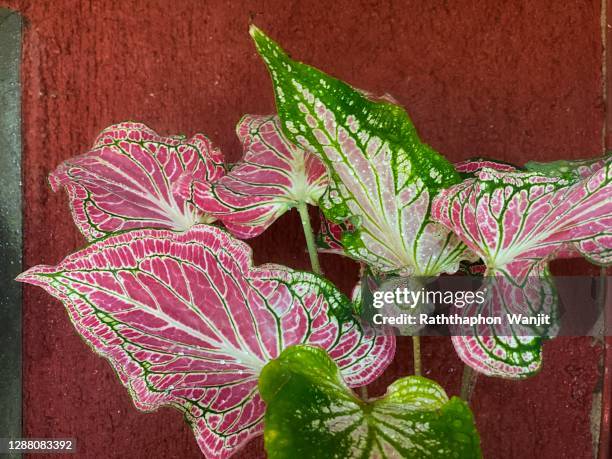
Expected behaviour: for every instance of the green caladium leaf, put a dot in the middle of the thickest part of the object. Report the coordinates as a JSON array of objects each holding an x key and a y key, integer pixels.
[
  {"x": 382, "y": 176},
  {"x": 311, "y": 413}
]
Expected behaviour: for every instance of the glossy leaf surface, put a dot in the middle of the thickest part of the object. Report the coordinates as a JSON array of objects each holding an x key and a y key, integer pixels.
[{"x": 312, "y": 414}]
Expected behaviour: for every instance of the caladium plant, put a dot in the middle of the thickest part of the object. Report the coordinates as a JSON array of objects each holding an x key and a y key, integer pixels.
[
  {"x": 329, "y": 238},
  {"x": 174, "y": 303},
  {"x": 384, "y": 179}
]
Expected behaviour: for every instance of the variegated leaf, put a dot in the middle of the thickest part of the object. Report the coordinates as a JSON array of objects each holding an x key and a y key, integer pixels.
[
  {"x": 274, "y": 176},
  {"x": 383, "y": 176},
  {"x": 127, "y": 180},
  {"x": 597, "y": 249},
  {"x": 508, "y": 350},
  {"x": 516, "y": 222},
  {"x": 186, "y": 321},
  {"x": 311, "y": 413},
  {"x": 329, "y": 238},
  {"x": 512, "y": 220}
]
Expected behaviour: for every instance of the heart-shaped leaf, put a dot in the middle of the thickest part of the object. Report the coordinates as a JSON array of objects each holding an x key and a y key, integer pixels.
[
  {"x": 273, "y": 176},
  {"x": 382, "y": 176},
  {"x": 186, "y": 321},
  {"x": 516, "y": 222},
  {"x": 595, "y": 249},
  {"x": 311, "y": 413},
  {"x": 127, "y": 180},
  {"x": 513, "y": 220}
]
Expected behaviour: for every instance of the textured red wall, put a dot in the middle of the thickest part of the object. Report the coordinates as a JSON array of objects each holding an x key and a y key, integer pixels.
[{"x": 512, "y": 80}]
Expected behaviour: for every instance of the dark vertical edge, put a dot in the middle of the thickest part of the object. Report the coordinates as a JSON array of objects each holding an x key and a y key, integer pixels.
[
  {"x": 605, "y": 447},
  {"x": 10, "y": 224},
  {"x": 606, "y": 32},
  {"x": 606, "y": 35}
]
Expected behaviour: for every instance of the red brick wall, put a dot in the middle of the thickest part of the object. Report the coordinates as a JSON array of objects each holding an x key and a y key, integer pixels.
[{"x": 513, "y": 80}]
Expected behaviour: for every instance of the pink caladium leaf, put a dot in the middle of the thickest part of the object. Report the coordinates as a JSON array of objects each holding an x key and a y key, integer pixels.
[
  {"x": 596, "y": 249},
  {"x": 469, "y": 168},
  {"x": 517, "y": 222},
  {"x": 512, "y": 220},
  {"x": 128, "y": 180},
  {"x": 273, "y": 177},
  {"x": 187, "y": 321}
]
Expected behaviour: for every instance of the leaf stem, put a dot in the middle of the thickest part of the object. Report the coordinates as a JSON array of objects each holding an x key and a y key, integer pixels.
[
  {"x": 416, "y": 354},
  {"x": 468, "y": 382},
  {"x": 310, "y": 240}
]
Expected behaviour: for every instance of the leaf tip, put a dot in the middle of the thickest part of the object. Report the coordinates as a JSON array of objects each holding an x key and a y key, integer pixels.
[
  {"x": 56, "y": 177},
  {"x": 266, "y": 47},
  {"x": 33, "y": 275},
  {"x": 255, "y": 31}
]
